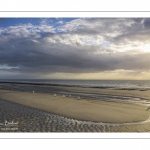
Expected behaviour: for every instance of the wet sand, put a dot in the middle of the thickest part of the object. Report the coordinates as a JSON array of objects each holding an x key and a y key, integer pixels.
[
  {"x": 96, "y": 115},
  {"x": 128, "y": 92}
]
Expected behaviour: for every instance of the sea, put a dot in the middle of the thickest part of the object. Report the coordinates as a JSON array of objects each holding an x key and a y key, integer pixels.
[
  {"x": 113, "y": 84},
  {"x": 141, "y": 85}
]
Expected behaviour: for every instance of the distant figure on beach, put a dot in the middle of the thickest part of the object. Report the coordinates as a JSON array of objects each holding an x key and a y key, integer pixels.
[
  {"x": 33, "y": 91},
  {"x": 12, "y": 89},
  {"x": 55, "y": 95},
  {"x": 70, "y": 95},
  {"x": 64, "y": 96},
  {"x": 78, "y": 97},
  {"x": 148, "y": 108}
]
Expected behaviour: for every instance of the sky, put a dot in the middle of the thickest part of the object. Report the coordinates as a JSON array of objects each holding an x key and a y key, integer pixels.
[{"x": 75, "y": 48}]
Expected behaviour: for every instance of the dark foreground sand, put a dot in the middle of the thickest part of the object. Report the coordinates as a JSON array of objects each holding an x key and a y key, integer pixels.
[{"x": 36, "y": 113}]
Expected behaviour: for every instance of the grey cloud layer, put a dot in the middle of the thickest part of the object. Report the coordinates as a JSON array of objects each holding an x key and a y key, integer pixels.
[{"x": 79, "y": 46}]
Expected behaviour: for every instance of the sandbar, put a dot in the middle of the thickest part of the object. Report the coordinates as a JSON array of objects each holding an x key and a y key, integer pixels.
[{"x": 83, "y": 109}]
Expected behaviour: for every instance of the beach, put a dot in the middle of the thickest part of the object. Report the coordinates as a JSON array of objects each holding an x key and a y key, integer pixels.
[{"x": 82, "y": 115}]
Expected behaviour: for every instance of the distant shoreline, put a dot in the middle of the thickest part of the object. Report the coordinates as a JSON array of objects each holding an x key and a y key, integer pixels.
[{"x": 67, "y": 85}]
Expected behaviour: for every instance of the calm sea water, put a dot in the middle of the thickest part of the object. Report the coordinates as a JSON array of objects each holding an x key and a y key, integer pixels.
[{"x": 119, "y": 84}]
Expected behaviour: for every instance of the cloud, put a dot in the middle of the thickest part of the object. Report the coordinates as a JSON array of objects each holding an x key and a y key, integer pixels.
[
  {"x": 146, "y": 23},
  {"x": 78, "y": 46},
  {"x": 60, "y": 22}
]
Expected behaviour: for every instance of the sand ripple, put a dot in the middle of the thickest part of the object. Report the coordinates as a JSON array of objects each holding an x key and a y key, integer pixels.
[{"x": 34, "y": 120}]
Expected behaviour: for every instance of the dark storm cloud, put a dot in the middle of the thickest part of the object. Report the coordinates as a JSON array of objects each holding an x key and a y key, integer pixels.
[
  {"x": 70, "y": 51},
  {"x": 39, "y": 58}
]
